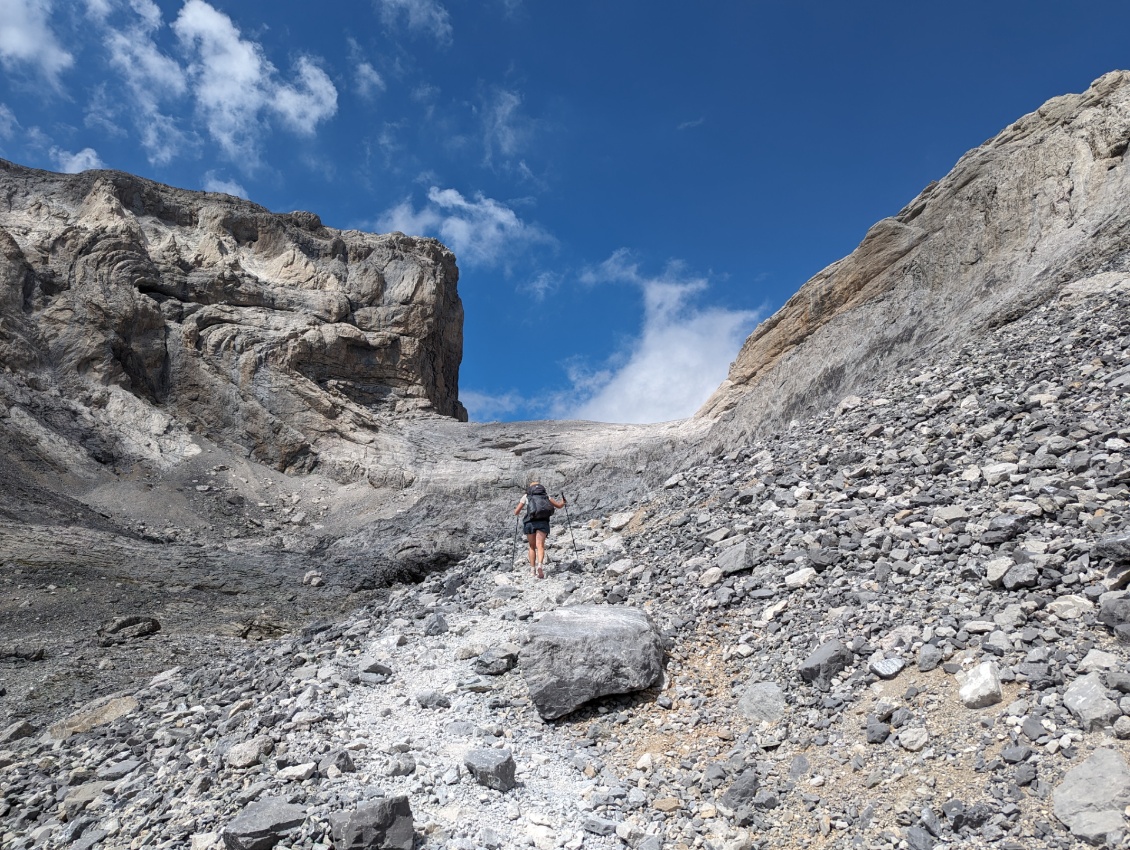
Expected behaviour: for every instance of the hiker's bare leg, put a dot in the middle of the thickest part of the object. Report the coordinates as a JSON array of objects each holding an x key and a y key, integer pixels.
[
  {"x": 540, "y": 535},
  {"x": 532, "y": 553}
]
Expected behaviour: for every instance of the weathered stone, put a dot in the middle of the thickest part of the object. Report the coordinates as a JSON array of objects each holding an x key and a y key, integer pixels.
[
  {"x": 1086, "y": 699},
  {"x": 381, "y": 824},
  {"x": 262, "y": 825},
  {"x": 582, "y": 652},
  {"x": 497, "y": 660},
  {"x": 94, "y": 714},
  {"x": 492, "y": 768},
  {"x": 248, "y": 753},
  {"x": 763, "y": 702},
  {"x": 825, "y": 663},
  {"x": 1092, "y": 796},
  {"x": 981, "y": 686},
  {"x": 1115, "y": 547},
  {"x": 886, "y": 668},
  {"x": 736, "y": 559}
]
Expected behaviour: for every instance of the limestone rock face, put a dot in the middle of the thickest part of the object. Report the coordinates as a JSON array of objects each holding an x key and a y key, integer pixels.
[
  {"x": 157, "y": 307},
  {"x": 1015, "y": 219}
]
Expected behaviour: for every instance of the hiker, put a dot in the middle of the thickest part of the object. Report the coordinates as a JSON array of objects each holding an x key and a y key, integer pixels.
[{"x": 536, "y": 526}]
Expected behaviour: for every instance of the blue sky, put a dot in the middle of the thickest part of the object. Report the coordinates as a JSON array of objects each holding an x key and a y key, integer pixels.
[{"x": 628, "y": 186}]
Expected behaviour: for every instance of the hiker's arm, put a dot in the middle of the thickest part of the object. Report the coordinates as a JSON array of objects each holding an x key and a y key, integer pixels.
[
  {"x": 556, "y": 503},
  {"x": 518, "y": 509}
]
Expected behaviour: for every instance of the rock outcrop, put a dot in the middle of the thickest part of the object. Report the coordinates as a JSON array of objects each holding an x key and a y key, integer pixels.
[
  {"x": 1040, "y": 204},
  {"x": 163, "y": 312}
]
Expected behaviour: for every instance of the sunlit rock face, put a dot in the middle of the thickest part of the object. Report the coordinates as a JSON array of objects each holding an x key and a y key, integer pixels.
[
  {"x": 179, "y": 309},
  {"x": 1040, "y": 205}
]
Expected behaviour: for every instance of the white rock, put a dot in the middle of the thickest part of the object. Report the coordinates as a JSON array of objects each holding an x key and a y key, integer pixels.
[
  {"x": 711, "y": 577},
  {"x": 1070, "y": 607},
  {"x": 800, "y": 578},
  {"x": 618, "y": 522},
  {"x": 981, "y": 686}
]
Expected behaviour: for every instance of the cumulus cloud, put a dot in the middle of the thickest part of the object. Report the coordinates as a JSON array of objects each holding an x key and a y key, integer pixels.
[
  {"x": 481, "y": 231},
  {"x": 680, "y": 356},
  {"x": 73, "y": 163},
  {"x": 27, "y": 39},
  {"x": 426, "y": 16},
  {"x": 214, "y": 183},
  {"x": 236, "y": 87}
]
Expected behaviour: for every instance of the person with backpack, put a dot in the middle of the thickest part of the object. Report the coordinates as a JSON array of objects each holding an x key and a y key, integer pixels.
[{"x": 539, "y": 507}]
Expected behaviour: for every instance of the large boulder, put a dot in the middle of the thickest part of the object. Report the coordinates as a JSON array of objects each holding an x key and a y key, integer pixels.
[
  {"x": 583, "y": 652},
  {"x": 263, "y": 824},
  {"x": 826, "y": 661},
  {"x": 381, "y": 824},
  {"x": 1092, "y": 796}
]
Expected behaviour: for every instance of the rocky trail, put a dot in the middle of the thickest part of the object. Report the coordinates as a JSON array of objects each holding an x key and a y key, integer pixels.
[{"x": 896, "y": 625}]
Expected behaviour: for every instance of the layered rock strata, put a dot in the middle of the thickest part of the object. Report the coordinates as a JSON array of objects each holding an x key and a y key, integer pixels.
[{"x": 164, "y": 312}]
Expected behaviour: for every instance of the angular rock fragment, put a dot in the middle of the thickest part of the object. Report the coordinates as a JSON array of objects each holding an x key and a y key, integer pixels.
[
  {"x": 381, "y": 824},
  {"x": 1086, "y": 699},
  {"x": 125, "y": 629},
  {"x": 981, "y": 686},
  {"x": 763, "y": 702},
  {"x": 497, "y": 660},
  {"x": 263, "y": 824},
  {"x": 828, "y": 660},
  {"x": 583, "y": 652},
  {"x": 490, "y": 767}
]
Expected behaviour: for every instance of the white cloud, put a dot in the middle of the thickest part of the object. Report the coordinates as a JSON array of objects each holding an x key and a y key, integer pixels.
[
  {"x": 235, "y": 85},
  {"x": 312, "y": 100},
  {"x": 152, "y": 78},
  {"x": 99, "y": 9},
  {"x": 688, "y": 125},
  {"x": 680, "y": 356},
  {"x": 482, "y": 231},
  {"x": 73, "y": 163},
  {"x": 421, "y": 15},
  {"x": 27, "y": 39},
  {"x": 214, "y": 183}
]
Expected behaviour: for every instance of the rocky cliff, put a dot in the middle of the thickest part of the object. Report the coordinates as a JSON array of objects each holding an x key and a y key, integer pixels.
[
  {"x": 1040, "y": 204},
  {"x": 161, "y": 311}
]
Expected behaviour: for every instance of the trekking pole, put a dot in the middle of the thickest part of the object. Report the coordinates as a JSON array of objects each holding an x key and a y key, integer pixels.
[
  {"x": 514, "y": 558},
  {"x": 570, "y": 524}
]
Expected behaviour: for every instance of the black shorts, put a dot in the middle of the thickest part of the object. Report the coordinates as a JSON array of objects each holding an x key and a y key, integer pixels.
[{"x": 532, "y": 525}]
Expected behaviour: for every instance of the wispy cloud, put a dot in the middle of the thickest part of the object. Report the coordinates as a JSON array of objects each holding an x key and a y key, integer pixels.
[
  {"x": 366, "y": 79},
  {"x": 506, "y": 131},
  {"x": 420, "y": 16},
  {"x": 236, "y": 87},
  {"x": 215, "y": 183},
  {"x": 73, "y": 163},
  {"x": 481, "y": 231},
  {"x": 26, "y": 39},
  {"x": 487, "y": 407},
  {"x": 8, "y": 122},
  {"x": 543, "y": 284},
  {"x": 679, "y": 357},
  {"x": 687, "y": 125}
]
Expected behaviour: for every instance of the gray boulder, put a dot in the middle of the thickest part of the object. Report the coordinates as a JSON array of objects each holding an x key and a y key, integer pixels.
[
  {"x": 1115, "y": 610},
  {"x": 1086, "y": 699},
  {"x": 262, "y": 825},
  {"x": 497, "y": 660},
  {"x": 737, "y": 558},
  {"x": 762, "y": 702},
  {"x": 1091, "y": 798},
  {"x": 381, "y": 824},
  {"x": 492, "y": 768},
  {"x": 830, "y": 658},
  {"x": 1115, "y": 547},
  {"x": 582, "y": 652}
]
